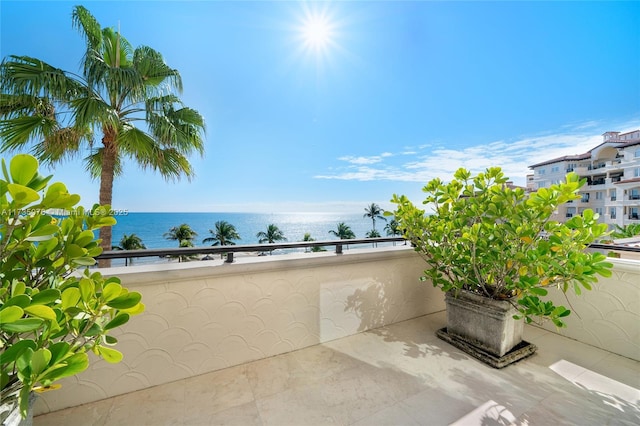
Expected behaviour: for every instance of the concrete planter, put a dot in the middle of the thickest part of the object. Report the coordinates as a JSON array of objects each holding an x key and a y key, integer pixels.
[
  {"x": 10, "y": 410},
  {"x": 485, "y": 328}
]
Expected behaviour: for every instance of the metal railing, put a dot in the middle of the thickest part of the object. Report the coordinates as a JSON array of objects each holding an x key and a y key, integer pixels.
[{"x": 229, "y": 250}]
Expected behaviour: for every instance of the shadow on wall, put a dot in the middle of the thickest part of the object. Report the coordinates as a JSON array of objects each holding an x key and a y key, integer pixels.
[{"x": 376, "y": 308}]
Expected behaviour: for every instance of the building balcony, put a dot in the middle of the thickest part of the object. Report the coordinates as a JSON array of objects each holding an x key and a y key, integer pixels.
[{"x": 349, "y": 339}]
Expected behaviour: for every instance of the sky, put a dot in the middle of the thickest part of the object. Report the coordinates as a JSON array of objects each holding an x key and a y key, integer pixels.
[{"x": 331, "y": 106}]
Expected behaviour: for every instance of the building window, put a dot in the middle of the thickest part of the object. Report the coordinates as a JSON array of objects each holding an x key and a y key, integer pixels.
[
  {"x": 636, "y": 172},
  {"x": 634, "y": 194},
  {"x": 612, "y": 212},
  {"x": 598, "y": 210},
  {"x": 634, "y": 214},
  {"x": 541, "y": 171},
  {"x": 585, "y": 197},
  {"x": 599, "y": 195},
  {"x": 555, "y": 169},
  {"x": 542, "y": 184},
  {"x": 637, "y": 153}
]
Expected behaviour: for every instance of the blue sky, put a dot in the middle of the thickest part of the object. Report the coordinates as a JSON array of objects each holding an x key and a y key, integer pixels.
[{"x": 398, "y": 92}]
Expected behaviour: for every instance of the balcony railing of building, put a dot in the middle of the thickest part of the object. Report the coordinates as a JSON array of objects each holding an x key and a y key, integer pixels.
[{"x": 229, "y": 250}]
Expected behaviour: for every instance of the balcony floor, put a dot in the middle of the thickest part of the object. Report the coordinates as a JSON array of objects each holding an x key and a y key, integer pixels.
[{"x": 397, "y": 375}]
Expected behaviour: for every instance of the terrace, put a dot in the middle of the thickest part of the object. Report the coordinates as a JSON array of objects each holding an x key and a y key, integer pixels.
[{"x": 307, "y": 339}]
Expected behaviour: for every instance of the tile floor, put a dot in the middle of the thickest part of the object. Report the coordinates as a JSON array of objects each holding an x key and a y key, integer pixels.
[{"x": 397, "y": 375}]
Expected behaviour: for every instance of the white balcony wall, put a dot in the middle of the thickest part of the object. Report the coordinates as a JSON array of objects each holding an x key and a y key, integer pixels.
[
  {"x": 608, "y": 316},
  {"x": 203, "y": 316}
]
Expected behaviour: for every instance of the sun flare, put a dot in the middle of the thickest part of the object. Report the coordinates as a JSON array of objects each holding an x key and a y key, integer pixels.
[{"x": 317, "y": 32}]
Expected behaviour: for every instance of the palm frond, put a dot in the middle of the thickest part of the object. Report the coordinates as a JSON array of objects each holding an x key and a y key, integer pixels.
[
  {"x": 93, "y": 163},
  {"x": 18, "y": 132},
  {"x": 116, "y": 50},
  {"x": 63, "y": 143},
  {"x": 31, "y": 76},
  {"x": 151, "y": 66},
  {"x": 93, "y": 110}
]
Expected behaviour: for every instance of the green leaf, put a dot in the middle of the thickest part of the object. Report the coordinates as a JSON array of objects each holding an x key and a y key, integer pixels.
[
  {"x": 84, "y": 261},
  {"x": 21, "y": 300},
  {"x": 126, "y": 301},
  {"x": 538, "y": 291},
  {"x": 58, "y": 351},
  {"x": 117, "y": 321},
  {"x": 46, "y": 296},
  {"x": 22, "y": 325},
  {"x": 40, "y": 360},
  {"x": 23, "y": 168},
  {"x": 87, "y": 289},
  {"x": 22, "y": 195},
  {"x": 70, "y": 298},
  {"x": 73, "y": 365},
  {"x": 110, "y": 355},
  {"x": 14, "y": 351},
  {"x": 111, "y": 291},
  {"x": 41, "y": 311},
  {"x": 11, "y": 314},
  {"x": 24, "y": 401}
]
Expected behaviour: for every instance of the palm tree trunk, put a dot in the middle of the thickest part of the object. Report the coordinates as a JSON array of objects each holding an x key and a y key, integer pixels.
[{"x": 106, "y": 187}]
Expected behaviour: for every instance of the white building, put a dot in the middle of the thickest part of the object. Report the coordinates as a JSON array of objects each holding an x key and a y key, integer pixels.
[{"x": 612, "y": 170}]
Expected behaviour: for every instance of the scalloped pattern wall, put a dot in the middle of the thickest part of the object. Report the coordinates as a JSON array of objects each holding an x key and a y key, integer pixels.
[
  {"x": 200, "y": 318},
  {"x": 608, "y": 316}
]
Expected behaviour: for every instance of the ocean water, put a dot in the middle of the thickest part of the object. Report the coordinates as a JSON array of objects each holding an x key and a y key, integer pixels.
[{"x": 151, "y": 227}]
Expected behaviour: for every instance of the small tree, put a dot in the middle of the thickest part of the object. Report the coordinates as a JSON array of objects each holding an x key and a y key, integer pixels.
[
  {"x": 499, "y": 242},
  {"x": 51, "y": 314}
]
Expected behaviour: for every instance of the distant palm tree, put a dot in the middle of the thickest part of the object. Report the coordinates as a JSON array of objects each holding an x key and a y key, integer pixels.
[
  {"x": 181, "y": 233},
  {"x": 185, "y": 257},
  {"x": 223, "y": 235},
  {"x": 374, "y": 212},
  {"x": 373, "y": 234},
  {"x": 343, "y": 232},
  {"x": 315, "y": 249},
  {"x": 392, "y": 229},
  {"x": 626, "y": 231},
  {"x": 130, "y": 242},
  {"x": 272, "y": 235}
]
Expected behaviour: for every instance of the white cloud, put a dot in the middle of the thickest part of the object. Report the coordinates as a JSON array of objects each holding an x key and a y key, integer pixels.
[{"x": 514, "y": 156}]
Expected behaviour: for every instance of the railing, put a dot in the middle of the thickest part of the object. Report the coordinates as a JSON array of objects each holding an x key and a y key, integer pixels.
[
  {"x": 614, "y": 247},
  {"x": 245, "y": 248},
  {"x": 339, "y": 244}
]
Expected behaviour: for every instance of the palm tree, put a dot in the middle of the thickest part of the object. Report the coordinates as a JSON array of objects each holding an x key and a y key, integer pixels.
[
  {"x": 223, "y": 235},
  {"x": 626, "y": 231},
  {"x": 272, "y": 235},
  {"x": 392, "y": 229},
  {"x": 343, "y": 232},
  {"x": 315, "y": 249},
  {"x": 373, "y": 234},
  {"x": 130, "y": 242},
  {"x": 58, "y": 112},
  {"x": 182, "y": 234},
  {"x": 374, "y": 212}
]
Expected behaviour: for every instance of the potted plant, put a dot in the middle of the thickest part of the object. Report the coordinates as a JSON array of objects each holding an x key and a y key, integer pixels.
[
  {"x": 51, "y": 314},
  {"x": 494, "y": 251}
]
